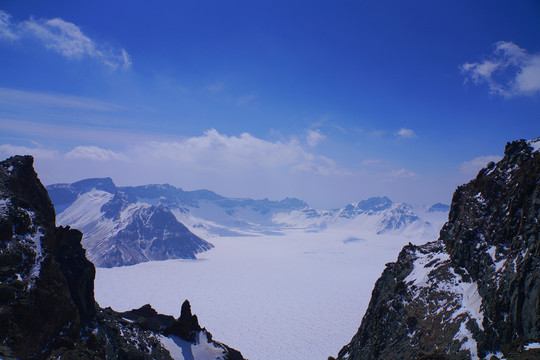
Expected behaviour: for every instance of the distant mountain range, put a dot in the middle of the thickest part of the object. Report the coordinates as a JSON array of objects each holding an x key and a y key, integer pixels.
[{"x": 128, "y": 225}]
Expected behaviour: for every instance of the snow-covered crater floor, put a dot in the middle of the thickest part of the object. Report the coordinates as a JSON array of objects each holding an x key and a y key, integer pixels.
[{"x": 300, "y": 296}]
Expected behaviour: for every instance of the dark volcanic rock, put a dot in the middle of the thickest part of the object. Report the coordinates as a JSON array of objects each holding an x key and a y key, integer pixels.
[
  {"x": 47, "y": 306},
  {"x": 187, "y": 325},
  {"x": 36, "y": 303},
  {"x": 78, "y": 271},
  {"x": 475, "y": 292}
]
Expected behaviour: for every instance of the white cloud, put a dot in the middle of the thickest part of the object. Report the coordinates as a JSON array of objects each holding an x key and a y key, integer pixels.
[
  {"x": 314, "y": 137},
  {"x": 509, "y": 71},
  {"x": 6, "y": 30},
  {"x": 472, "y": 167},
  {"x": 63, "y": 37},
  {"x": 94, "y": 153},
  {"x": 245, "y": 154},
  {"x": 8, "y": 150},
  {"x": 211, "y": 153},
  {"x": 406, "y": 133},
  {"x": 528, "y": 80},
  {"x": 217, "y": 150}
]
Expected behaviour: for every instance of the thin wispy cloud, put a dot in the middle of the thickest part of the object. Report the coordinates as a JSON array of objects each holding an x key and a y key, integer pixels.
[
  {"x": 13, "y": 97},
  {"x": 377, "y": 133},
  {"x": 403, "y": 174},
  {"x": 320, "y": 165},
  {"x": 322, "y": 120},
  {"x": 314, "y": 137},
  {"x": 6, "y": 28},
  {"x": 216, "y": 87},
  {"x": 372, "y": 162},
  {"x": 71, "y": 133},
  {"x": 387, "y": 171},
  {"x": 509, "y": 71},
  {"x": 245, "y": 99},
  {"x": 64, "y": 38},
  {"x": 94, "y": 153},
  {"x": 8, "y": 150},
  {"x": 471, "y": 168},
  {"x": 406, "y": 133}
]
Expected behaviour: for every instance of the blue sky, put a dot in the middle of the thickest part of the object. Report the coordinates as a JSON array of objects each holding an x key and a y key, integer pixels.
[{"x": 331, "y": 102}]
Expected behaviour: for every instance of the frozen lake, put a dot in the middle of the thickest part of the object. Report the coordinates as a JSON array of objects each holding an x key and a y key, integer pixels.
[{"x": 300, "y": 295}]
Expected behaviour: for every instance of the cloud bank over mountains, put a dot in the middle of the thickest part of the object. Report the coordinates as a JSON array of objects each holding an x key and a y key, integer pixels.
[
  {"x": 211, "y": 152},
  {"x": 238, "y": 166}
]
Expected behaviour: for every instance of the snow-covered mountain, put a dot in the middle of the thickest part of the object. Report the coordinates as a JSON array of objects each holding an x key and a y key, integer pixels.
[
  {"x": 377, "y": 215},
  {"x": 475, "y": 292},
  {"x": 118, "y": 231},
  {"x": 128, "y": 225}
]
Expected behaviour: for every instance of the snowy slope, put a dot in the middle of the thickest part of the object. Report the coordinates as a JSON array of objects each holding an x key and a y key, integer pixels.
[
  {"x": 118, "y": 233},
  {"x": 375, "y": 215}
]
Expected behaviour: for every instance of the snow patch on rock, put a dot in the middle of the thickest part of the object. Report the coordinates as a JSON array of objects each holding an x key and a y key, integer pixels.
[
  {"x": 535, "y": 144},
  {"x": 184, "y": 350}
]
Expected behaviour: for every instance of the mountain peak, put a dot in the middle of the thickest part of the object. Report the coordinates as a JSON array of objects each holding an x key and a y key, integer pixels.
[
  {"x": 104, "y": 184},
  {"x": 376, "y": 203}
]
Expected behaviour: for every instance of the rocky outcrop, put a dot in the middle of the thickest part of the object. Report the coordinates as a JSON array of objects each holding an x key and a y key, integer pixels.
[
  {"x": 186, "y": 327},
  {"x": 475, "y": 292},
  {"x": 37, "y": 309},
  {"x": 47, "y": 306}
]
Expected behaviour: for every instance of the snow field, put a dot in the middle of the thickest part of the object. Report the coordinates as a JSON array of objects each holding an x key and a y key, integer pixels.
[{"x": 297, "y": 296}]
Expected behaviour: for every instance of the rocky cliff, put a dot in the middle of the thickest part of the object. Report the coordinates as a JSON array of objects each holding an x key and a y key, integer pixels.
[
  {"x": 475, "y": 292},
  {"x": 47, "y": 306}
]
